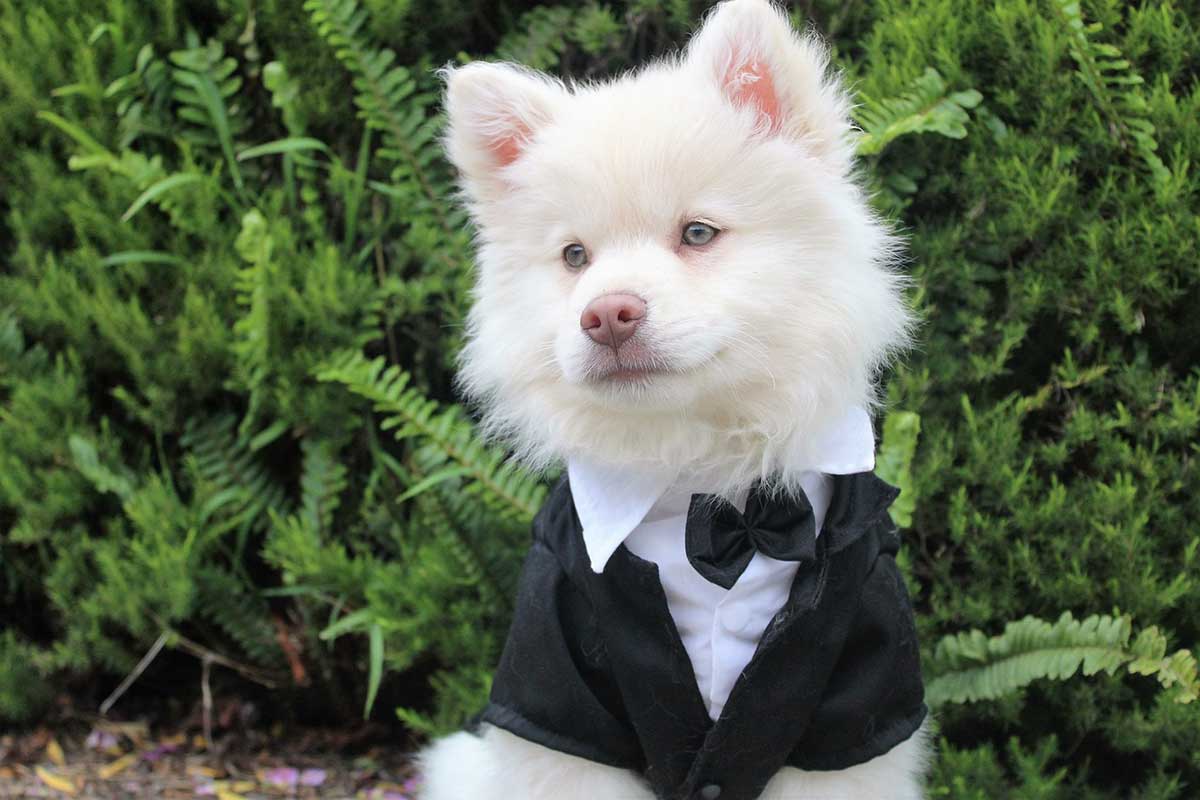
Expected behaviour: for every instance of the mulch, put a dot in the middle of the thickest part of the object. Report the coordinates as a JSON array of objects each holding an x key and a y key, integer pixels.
[{"x": 107, "y": 760}]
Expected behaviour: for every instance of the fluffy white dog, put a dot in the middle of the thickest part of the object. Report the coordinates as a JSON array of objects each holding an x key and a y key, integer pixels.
[{"x": 680, "y": 284}]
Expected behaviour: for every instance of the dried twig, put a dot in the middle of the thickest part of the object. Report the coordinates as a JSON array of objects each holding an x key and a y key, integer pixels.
[
  {"x": 132, "y": 677},
  {"x": 260, "y": 676},
  {"x": 206, "y": 701}
]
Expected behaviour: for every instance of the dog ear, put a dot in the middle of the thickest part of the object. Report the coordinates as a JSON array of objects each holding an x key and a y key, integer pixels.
[
  {"x": 759, "y": 63},
  {"x": 494, "y": 110}
]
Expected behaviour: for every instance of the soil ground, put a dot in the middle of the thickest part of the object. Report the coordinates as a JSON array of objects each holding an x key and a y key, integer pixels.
[{"x": 105, "y": 760}]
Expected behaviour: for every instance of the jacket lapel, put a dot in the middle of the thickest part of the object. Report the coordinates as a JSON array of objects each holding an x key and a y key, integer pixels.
[{"x": 651, "y": 666}]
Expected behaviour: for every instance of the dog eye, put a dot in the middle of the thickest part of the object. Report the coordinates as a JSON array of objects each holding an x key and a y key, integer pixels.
[
  {"x": 698, "y": 233},
  {"x": 575, "y": 255}
]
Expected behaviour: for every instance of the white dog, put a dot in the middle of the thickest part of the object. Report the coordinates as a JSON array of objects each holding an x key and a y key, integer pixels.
[{"x": 682, "y": 293}]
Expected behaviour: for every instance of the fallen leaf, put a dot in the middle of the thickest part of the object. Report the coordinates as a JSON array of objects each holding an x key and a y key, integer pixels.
[
  {"x": 242, "y": 786},
  {"x": 59, "y": 782},
  {"x": 117, "y": 767},
  {"x": 202, "y": 771},
  {"x": 134, "y": 731},
  {"x": 198, "y": 742},
  {"x": 7, "y": 773},
  {"x": 54, "y": 752},
  {"x": 225, "y": 794}
]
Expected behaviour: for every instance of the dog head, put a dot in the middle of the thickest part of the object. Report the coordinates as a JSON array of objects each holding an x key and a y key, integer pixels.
[{"x": 675, "y": 268}]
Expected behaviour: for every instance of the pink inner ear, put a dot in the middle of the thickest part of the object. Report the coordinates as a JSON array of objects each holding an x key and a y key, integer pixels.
[
  {"x": 749, "y": 82},
  {"x": 507, "y": 147}
]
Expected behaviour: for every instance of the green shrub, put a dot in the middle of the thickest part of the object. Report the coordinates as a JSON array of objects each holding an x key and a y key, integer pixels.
[{"x": 231, "y": 298}]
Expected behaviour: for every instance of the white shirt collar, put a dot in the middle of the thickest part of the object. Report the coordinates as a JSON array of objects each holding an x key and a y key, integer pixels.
[{"x": 612, "y": 501}]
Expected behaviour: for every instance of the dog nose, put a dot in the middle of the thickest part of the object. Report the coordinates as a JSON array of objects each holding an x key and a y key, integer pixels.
[{"x": 612, "y": 318}]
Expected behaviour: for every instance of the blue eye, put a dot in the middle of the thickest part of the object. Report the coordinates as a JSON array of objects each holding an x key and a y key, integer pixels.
[
  {"x": 575, "y": 255},
  {"x": 697, "y": 234}
]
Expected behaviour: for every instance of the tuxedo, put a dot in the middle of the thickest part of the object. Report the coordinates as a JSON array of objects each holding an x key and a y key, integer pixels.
[{"x": 594, "y": 665}]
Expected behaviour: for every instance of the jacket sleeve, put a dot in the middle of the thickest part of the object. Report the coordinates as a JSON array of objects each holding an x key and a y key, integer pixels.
[
  {"x": 552, "y": 685},
  {"x": 875, "y": 696}
]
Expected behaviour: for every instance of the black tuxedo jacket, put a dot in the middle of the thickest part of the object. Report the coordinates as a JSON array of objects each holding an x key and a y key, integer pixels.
[{"x": 594, "y": 665}]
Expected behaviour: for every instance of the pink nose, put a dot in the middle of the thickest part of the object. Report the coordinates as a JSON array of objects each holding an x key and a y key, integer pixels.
[{"x": 612, "y": 318}]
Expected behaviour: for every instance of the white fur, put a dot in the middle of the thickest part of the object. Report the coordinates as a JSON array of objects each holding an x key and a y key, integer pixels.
[
  {"x": 760, "y": 339},
  {"x": 499, "y": 766},
  {"x": 764, "y": 336}
]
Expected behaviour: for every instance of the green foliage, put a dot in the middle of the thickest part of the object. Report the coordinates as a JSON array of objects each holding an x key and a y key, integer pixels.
[
  {"x": 971, "y": 666},
  {"x": 1114, "y": 86},
  {"x": 893, "y": 464},
  {"x": 540, "y": 38},
  {"x": 927, "y": 108},
  {"x": 497, "y": 482},
  {"x": 231, "y": 296},
  {"x": 24, "y": 691}
]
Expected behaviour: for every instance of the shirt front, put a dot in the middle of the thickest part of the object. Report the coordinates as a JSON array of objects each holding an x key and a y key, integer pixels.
[{"x": 647, "y": 513}]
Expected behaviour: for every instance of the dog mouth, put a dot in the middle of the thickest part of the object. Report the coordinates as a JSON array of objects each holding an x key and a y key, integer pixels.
[
  {"x": 628, "y": 375},
  {"x": 625, "y": 373},
  {"x": 620, "y": 368},
  {"x": 638, "y": 364}
]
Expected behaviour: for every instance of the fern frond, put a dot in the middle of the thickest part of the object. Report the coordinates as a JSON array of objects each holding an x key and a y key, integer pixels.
[
  {"x": 1178, "y": 671},
  {"x": 118, "y": 480},
  {"x": 971, "y": 666},
  {"x": 390, "y": 102},
  {"x": 408, "y": 413},
  {"x": 206, "y": 90},
  {"x": 253, "y": 327},
  {"x": 300, "y": 175},
  {"x": 1113, "y": 84},
  {"x": 926, "y": 108},
  {"x": 240, "y": 613},
  {"x": 234, "y": 486},
  {"x": 143, "y": 96},
  {"x": 540, "y": 37},
  {"x": 455, "y": 690},
  {"x": 321, "y": 483}
]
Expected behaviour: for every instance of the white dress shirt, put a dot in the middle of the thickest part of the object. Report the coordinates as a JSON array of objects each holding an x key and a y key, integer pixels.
[{"x": 720, "y": 628}]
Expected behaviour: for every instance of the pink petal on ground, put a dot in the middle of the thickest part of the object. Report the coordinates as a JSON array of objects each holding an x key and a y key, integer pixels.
[
  {"x": 282, "y": 776},
  {"x": 206, "y": 790},
  {"x": 312, "y": 777},
  {"x": 383, "y": 793},
  {"x": 101, "y": 740},
  {"x": 159, "y": 751}
]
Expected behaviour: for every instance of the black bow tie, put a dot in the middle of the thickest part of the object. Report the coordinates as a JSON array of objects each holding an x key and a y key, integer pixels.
[{"x": 720, "y": 540}]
